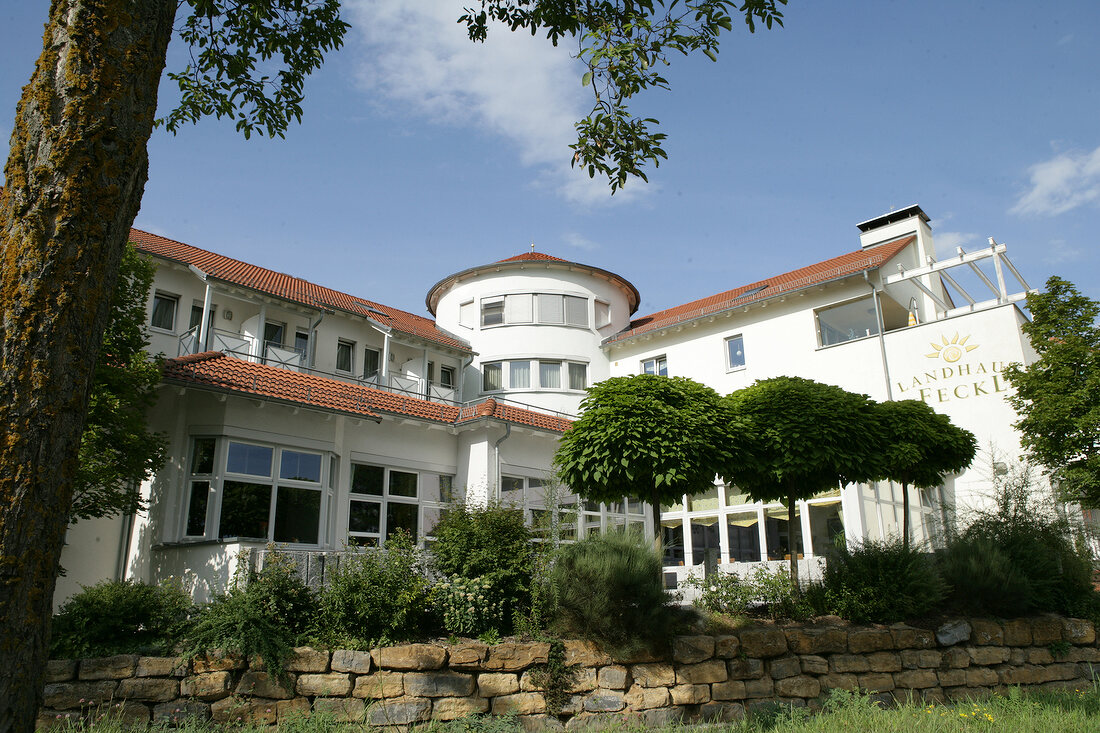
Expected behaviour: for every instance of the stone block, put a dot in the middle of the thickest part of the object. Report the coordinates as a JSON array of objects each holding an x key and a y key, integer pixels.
[
  {"x": 109, "y": 668},
  {"x": 744, "y": 669},
  {"x": 763, "y": 687},
  {"x": 689, "y": 694},
  {"x": 653, "y": 675},
  {"x": 1078, "y": 631},
  {"x": 584, "y": 680},
  {"x": 341, "y": 709},
  {"x": 521, "y": 703},
  {"x": 909, "y": 637},
  {"x": 876, "y": 682},
  {"x": 1046, "y": 630},
  {"x": 915, "y": 679},
  {"x": 148, "y": 689},
  {"x": 331, "y": 684},
  {"x": 454, "y": 708},
  {"x": 208, "y": 686},
  {"x": 584, "y": 654},
  {"x": 817, "y": 641},
  {"x": 1017, "y": 632},
  {"x": 813, "y": 664},
  {"x": 981, "y": 677},
  {"x": 65, "y": 720},
  {"x": 236, "y": 712},
  {"x": 988, "y": 655},
  {"x": 217, "y": 661},
  {"x": 604, "y": 701},
  {"x": 728, "y": 690},
  {"x": 130, "y": 714},
  {"x": 727, "y": 647},
  {"x": 1024, "y": 675},
  {"x": 644, "y": 698},
  {"x": 713, "y": 670},
  {"x": 439, "y": 684},
  {"x": 639, "y": 656},
  {"x": 615, "y": 677},
  {"x": 1039, "y": 655},
  {"x": 884, "y": 662},
  {"x": 954, "y": 632},
  {"x": 861, "y": 641},
  {"x": 763, "y": 642},
  {"x": 539, "y": 723},
  {"x": 495, "y": 684},
  {"x": 399, "y": 711},
  {"x": 956, "y": 658},
  {"x": 920, "y": 658},
  {"x": 162, "y": 667},
  {"x": 987, "y": 633},
  {"x": 175, "y": 712},
  {"x": 470, "y": 656},
  {"x": 290, "y": 709},
  {"x": 784, "y": 667},
  {"x": 307, "y": 659},
  {"x": 69, "y": 695},
  {"x": 951, "y": 677},
  {"x": 379, "y": 685},
  {"x": 721, "y": 712},
  {"x": 263, "y": 684},
  {"x": 409, "y": 657},
  {"x": 838, "y": 681},
  {"x": 516, "y": 656},
  {"x": 346, "y": 660},
  {"x": 844, "y": 663},
  {"x": 60, "y": 670},
  {"x": 801, "y": 686},
  {"x": 1063, "y": 670},
  {"x": 961, "y": 694},
  {"x": 692, "y": 649}
]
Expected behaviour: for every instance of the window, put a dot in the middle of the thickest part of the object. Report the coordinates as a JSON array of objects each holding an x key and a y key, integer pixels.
[
  {"x": 259, "y": 502},
  {"x": 447, "y": 377},
  {"x": 492, "y": 311},
  {"x": 656, "y": 365},
  {"x": 578, "y": 376},
  {"x": 164, "y": 311},
  {"x": 492, "y": 377},
  {"x": 345, "y": 356},
  {"x": 735, "y": 352},
  {"x": 383, "y": 501},
  {"x": 603, "y": 314},
  {"x": 550, "y": 374},
  {"x": 518, "y": 308},
  {"x": 371, "y": 359},
  {"x": 196, "y": 316},
  {"x": 301, "y": 342},
  {"x": 467, "y": 316},
  {"x": 852, "y": 320},
  {"x": 519, "y": 374},
  {"x": 576, "y": 311},
  {"x": 274, "y": 333},
  {"x": 551, "y": 309},
  {"x": 202, "y": 475}
]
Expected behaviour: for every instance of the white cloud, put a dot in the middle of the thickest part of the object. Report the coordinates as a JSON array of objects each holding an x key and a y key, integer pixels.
[
  {"x": 579, "y": 241},
  {"x": 1064, "y": 182},
  {"x": 1059, "y": 252},
  {"x": 519, "y": 87},
  {"x": 947, "y": 242}
]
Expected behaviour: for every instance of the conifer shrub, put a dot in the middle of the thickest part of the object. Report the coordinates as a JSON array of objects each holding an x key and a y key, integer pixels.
[
  {"x": 120, "y": 617},
  {"x": 609, "y": 588}
]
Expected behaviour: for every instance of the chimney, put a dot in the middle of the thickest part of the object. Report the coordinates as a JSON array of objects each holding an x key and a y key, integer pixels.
[{"x": 897, "y": 224}]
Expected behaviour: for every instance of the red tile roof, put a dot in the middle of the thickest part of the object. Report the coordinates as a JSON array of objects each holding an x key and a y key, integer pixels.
[
  {"x": 832, "y": 269},
  {"x": 297, "y": 290},
  {"x": 533, "y": 256},
  {"x": 218, "y": 371}
]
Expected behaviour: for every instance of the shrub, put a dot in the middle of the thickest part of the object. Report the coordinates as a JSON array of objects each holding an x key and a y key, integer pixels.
[
  {"x": 761, "y": 591},
  {"x": 609, "y": 589},
  {"x": 491, "y": 545},
  {"x": 880, "y": 581},
  {"x": 120, "y": 617},
  {"x": 265, "y": 613},
  {"x": 375, "y": 596},
  {"x": 470, "y": 607}
]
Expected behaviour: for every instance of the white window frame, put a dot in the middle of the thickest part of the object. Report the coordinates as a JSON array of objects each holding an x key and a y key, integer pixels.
[
  {"x": 350, "y": 345},
  {"x": 730, "y": 340},
  {"x": 657, "y": 362},
  {"x": 168, "y": 297},
  {"x": 383, "y": 501}
]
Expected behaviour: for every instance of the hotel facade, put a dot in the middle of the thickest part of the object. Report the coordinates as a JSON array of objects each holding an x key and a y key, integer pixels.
[{"x": 320, "y": 421}]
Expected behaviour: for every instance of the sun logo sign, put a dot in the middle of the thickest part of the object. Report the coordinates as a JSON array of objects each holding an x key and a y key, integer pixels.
[{"x": 951, "y": 350}]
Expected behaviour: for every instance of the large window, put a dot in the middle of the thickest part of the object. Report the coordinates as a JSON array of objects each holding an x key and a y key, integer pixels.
[
  {"x": 544, "y": 308},
  {"x": 656, "y": 365},
  {"x": 852, "y": 320},
  {"x": 551, "y": 510},
  {"x": 164, "y": 311},
  {"x": 385, "y": 500},
  {"x": 735, "y": 352},
  {"x": 517, "y": 374},
  {"x": 200, "y": 486}
]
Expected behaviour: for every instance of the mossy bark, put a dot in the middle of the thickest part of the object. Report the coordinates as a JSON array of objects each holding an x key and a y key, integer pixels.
[{"x": 74, "y": 180}]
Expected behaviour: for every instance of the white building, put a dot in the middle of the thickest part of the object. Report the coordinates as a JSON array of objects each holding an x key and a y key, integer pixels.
[{"x": 316, "y": 419}]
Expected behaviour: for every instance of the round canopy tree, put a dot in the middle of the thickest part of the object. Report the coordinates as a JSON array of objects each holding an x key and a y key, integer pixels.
[
  {"x": 653, "y": 437},
  {"x": 920, "y": 446},
  {"x": 807, "y": 437}
]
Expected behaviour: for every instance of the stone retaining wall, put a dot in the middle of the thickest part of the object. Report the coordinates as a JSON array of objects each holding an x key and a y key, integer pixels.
[{"x": 703, "y": 678}]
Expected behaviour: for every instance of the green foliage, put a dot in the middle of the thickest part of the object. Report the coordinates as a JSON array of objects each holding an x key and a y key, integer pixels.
[
  {"x": 265, "y": 613},
  {"x": 249, "y": 60},
  {"x": 555, "y": 678},
  {"x": 491, "y": 545},
  {"x": 649, "y": 436},
  {"x": 1058, "y": 396},
  {"x": 117, "y": 451},
  {"x": 609, "y": 589},
  {"x": 1019, "y": 558},
  {"x": 624, "y": 46},
  {"x": 761, "y": 591},
  {"x": 119, "y": 617},
  {"x": 881, "y": 582},
  {"x": 375, "y": 596},
  {"x": 469, "y": 606}
]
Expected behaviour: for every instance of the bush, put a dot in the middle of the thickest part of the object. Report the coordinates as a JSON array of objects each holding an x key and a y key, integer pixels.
[
  {"x": 265, "y": 613},
  {"x": 491, "y": 545},
  {"x": 120, "y": 617},
  {"x": 375, "y": 596},
  {"x": 469, "y": 607},
  {"x": 609, "y": 588},
  {"x": 761, "y": 591},
  {"x": 882, "y": 582}
]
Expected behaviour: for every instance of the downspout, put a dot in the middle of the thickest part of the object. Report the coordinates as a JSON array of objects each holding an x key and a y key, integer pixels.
[
  {"x": 127, "y": 536},
  {"x": 496, "y": 450},
  {"x": 311, "y": 347},
  {"x": 207, "y": 299},
  {"x": 463, "y": 366}
]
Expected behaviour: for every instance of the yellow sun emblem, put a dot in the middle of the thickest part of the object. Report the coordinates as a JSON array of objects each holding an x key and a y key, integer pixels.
[{"x": 951, "y": 351}]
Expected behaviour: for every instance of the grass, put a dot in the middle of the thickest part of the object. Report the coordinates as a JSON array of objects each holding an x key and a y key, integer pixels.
[{"x": 1065, "y": 712}]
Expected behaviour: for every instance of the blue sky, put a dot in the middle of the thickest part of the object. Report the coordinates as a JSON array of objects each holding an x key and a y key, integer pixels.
[{"x": 421, "y": 154}]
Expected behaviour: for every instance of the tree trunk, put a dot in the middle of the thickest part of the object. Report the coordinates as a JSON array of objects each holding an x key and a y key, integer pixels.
[
  {"x": 655, "y": 525},
  {"x": 74, "y": 180},
  {"x": 792, "y": 545},
  {"x": 905, "y": 517}
]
